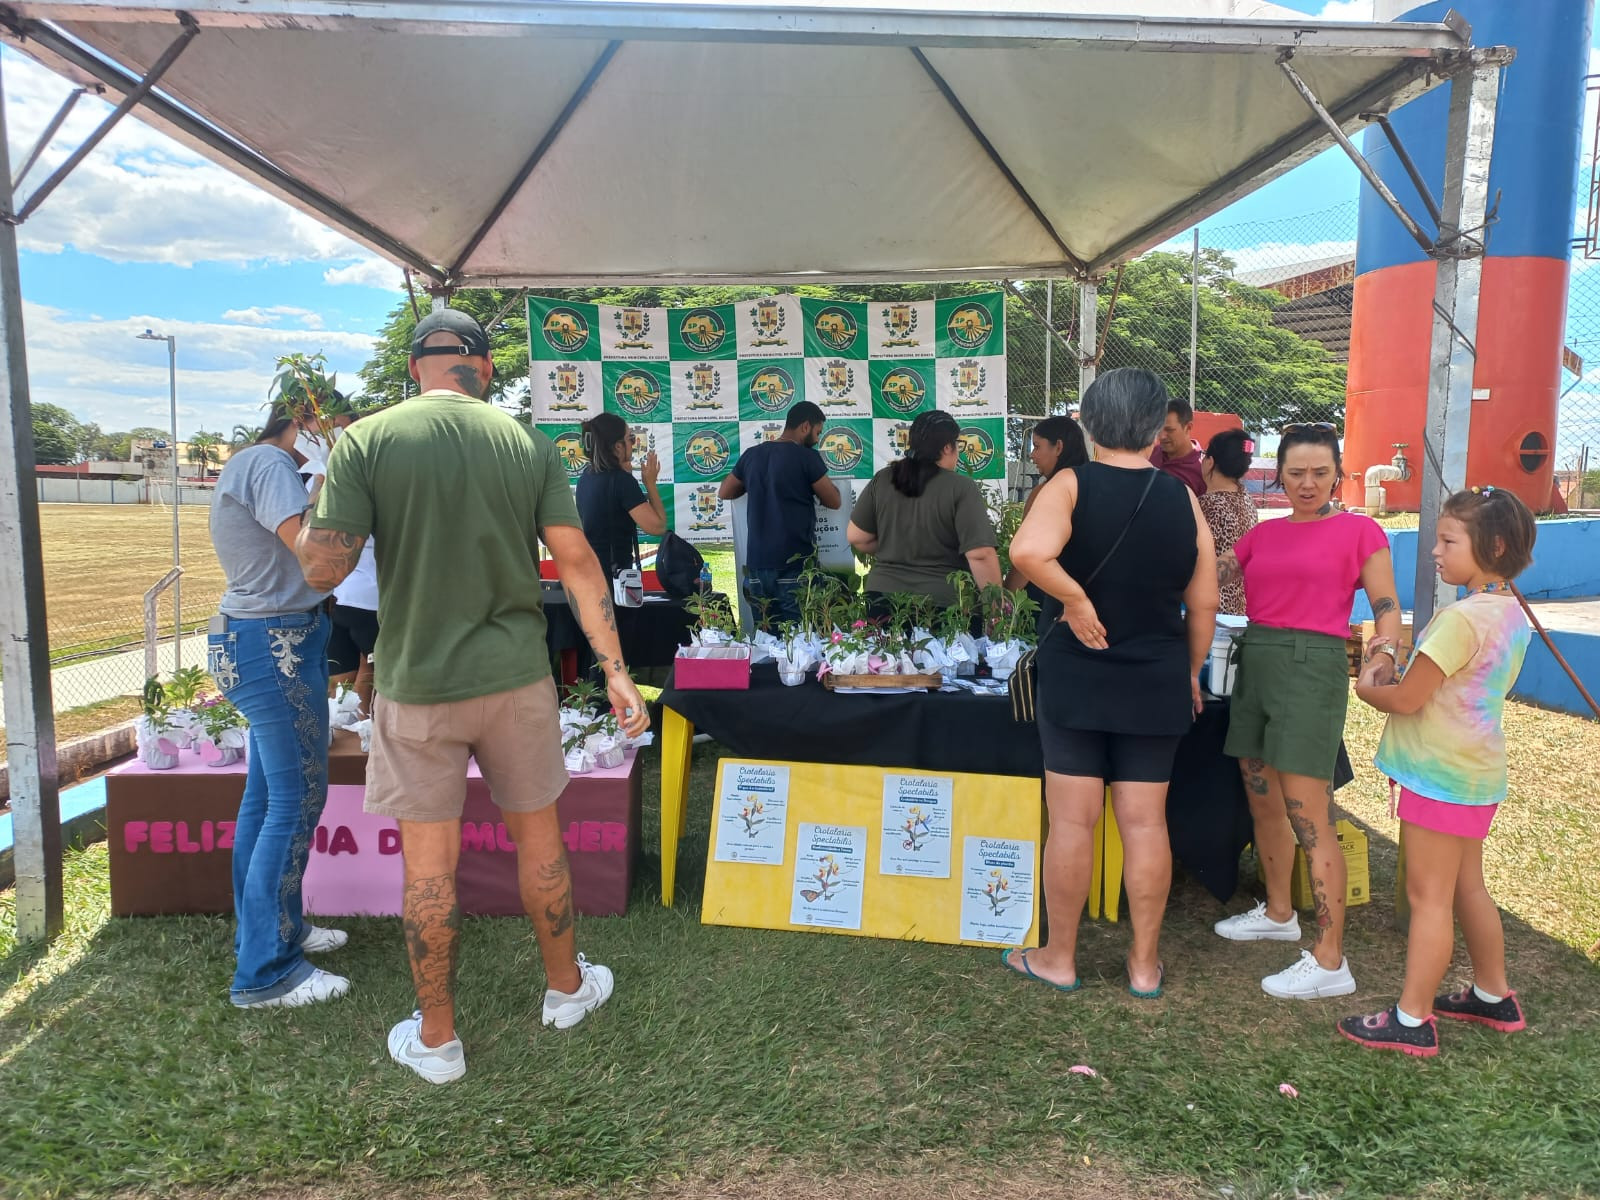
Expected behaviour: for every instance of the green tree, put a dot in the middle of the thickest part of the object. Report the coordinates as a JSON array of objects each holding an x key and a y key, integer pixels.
[
  {"x": 56, "y": 434},
  {"x": 1245, "y": 363},
  {"x": 244, "y": 435},
  {"x": 203, "y": 450}
]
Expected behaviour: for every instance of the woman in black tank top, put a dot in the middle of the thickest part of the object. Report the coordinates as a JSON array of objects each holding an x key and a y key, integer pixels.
[{"x": 1123, "y": 549}]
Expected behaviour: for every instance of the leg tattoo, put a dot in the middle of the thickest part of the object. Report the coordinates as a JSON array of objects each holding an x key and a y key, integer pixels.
[
  {"x": 556, "y": 877},
  {"x": 431, "y": 917},
  {"x": 1253, "y": 776}
]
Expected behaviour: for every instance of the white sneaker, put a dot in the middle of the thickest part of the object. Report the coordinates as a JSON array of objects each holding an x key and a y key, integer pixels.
[
  {"x": 1256, "y": 926},
  {"x": 436, "y": 1064},
  {"x": 566, "y": 1009},
  {"x": 316, "y": 987},
  {"x": 1309, "y": 980},
  {"x": 314, "y": 939}
]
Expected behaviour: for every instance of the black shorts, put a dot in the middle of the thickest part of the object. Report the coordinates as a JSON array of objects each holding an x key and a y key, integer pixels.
[
  {"x": 355, "y": 633},
  {"x": 1113, "y": 757}
]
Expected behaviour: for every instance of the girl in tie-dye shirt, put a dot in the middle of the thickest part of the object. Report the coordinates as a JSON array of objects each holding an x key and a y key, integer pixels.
[{"x": 1445, "y": 749}]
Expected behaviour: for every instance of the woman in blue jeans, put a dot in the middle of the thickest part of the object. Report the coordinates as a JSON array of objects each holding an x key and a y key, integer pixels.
[{"x": 268, "y": 653}]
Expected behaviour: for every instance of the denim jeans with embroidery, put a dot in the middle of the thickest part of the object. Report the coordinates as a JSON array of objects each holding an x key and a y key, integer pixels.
[{"x": 275, "y": 670}]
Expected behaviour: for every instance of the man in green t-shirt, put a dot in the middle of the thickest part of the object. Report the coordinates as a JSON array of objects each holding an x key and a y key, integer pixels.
[{"x": 458, "y": 495}]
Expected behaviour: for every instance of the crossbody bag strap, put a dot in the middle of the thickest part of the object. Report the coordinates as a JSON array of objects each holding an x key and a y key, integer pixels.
[
  {"x": 1149, "y": 483},
  {"x": 1133, "y": 516}
]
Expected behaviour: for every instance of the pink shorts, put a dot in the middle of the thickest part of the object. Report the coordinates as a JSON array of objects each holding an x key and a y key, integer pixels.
[{"x": 1458, "y": 820}]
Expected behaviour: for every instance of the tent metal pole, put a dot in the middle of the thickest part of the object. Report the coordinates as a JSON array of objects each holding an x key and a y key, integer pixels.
[
  {"x": 169, "y": 56},
  {"x": 1469, "y": 144},
  {"x": 63, "y": 50},
  {"x": 25, "y": 656},
  {"x": 1049, "y": 343},
  {"x": 1028, "y": 303},
  {"x": 1194, "y": 314},
  {"x": 1088, "y": 338},
  {"x": 539, "y": 151},
  {"x": 1417, "y": 181},
  {"x": 1353, "y": 154},
  {"x": 982, "y": 139},
  {"x": 56, "y": 122}
]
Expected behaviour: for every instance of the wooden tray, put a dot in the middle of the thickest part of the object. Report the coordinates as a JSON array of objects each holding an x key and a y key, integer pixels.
[{"x": 931, "y": 682}]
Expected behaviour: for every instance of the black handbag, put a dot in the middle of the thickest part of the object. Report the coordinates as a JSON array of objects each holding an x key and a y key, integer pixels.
[{"x": 1023, "y": 685}]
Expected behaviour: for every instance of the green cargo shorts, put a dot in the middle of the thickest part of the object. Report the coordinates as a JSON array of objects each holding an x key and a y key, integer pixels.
[{"x": 1289, "y": 700}]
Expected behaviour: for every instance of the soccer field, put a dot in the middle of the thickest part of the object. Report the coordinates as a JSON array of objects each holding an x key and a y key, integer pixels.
[{"x": 99, "y": 559}]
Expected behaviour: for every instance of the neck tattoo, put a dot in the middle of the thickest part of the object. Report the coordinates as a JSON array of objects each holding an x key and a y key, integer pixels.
[{"x": 1325, "y": 509}]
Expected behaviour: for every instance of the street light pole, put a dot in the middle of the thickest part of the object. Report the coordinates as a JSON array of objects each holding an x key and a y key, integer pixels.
[{"x": 177, "y": 584}]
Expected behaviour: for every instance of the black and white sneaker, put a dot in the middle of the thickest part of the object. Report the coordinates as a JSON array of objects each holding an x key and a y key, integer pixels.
[{"x": 1384, "y": 1031}]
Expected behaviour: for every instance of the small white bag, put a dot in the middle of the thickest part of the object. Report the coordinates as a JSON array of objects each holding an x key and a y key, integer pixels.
[{"x": 627, "y": 589}]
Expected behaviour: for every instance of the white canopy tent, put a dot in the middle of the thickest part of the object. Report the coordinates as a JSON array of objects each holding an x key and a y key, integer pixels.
[{"x": 558, "y": 142}]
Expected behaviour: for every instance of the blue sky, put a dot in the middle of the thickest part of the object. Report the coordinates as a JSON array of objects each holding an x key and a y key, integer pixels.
[{"x": 148, "y": 234}]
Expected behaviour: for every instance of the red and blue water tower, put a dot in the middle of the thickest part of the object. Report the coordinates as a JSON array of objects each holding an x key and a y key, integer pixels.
[{"x": 1523, "y": 301}]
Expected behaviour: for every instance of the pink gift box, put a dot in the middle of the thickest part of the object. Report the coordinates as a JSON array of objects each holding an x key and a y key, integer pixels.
[{"x": 728, "y": 672}]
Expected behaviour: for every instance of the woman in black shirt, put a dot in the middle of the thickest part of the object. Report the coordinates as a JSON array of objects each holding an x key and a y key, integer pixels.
[{"x": 611, "y": 504}]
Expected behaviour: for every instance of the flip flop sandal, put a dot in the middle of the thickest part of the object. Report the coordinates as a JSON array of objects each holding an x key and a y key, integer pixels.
[
  {"x": 1154, "y": 993},
  {"x": 1022, "y": 958}
]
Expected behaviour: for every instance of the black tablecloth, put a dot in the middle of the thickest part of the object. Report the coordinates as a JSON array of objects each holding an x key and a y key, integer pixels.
[
  {"x": 1208, "y": 815},
  {"x": 650, "y": 635}
]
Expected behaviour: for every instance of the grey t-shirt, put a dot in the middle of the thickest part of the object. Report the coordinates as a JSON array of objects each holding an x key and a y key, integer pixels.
[{"x": 258, "y": 490}]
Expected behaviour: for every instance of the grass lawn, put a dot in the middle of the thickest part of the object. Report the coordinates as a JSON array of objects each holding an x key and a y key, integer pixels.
[
  {"x": 99, "y": 559},
  {"x": 765, "y": 1064}
]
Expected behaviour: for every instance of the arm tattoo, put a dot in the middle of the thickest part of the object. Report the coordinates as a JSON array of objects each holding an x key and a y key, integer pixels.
[
  {"x": 1384, "y": 605},
  {"x": 1228, "y": 570},
  {"x": 327, "y": 556},
  {"x": 431, "y": 917}
]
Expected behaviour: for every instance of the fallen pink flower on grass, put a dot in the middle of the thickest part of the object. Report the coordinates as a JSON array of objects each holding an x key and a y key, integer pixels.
[
  {"x": 1080, "y": 1069},
  {"x": 1288, "y": 1089}
]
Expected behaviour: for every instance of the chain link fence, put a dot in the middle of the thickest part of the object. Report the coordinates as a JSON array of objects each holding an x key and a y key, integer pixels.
[{"x": 100, "y": 559}]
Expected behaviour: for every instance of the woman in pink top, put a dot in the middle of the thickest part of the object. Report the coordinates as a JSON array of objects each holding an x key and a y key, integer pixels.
[{"x": 1300, "y": 576}]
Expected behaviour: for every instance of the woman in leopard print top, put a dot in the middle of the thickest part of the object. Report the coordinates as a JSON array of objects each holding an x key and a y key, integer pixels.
[{"x": 1227, "y": 506}]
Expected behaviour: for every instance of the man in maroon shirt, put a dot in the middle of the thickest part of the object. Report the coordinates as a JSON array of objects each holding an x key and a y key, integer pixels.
[{"x": 1176, "y": 452}]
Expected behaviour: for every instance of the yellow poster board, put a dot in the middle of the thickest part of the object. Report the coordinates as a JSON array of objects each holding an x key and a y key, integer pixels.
[{"x": 986, "y": 816}]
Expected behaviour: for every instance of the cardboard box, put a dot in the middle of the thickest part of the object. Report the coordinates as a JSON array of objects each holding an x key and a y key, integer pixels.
[
  {"x": 728, "y": 671},
  {"x": 1358, "y": 885}
]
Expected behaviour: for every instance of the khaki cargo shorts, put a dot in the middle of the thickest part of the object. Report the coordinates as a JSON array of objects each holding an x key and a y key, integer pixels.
[{"x": 417, "y": 770}]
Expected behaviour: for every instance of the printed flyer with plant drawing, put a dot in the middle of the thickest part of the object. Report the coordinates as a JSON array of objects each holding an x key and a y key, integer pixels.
[
  {"x": 916, "y": 826},
  {"x": 997, "y": 890},
  {"x": 829, "y": 869},
  {"x": 753, "y": 814}
]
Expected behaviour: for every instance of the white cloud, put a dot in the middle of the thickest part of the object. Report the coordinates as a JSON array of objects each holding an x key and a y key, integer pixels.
[
  {"x": 369, "y": 271},
  {"x": 142, "y": 197},
  {"x": 1346, "y": 10},
  {"x": 99, "y": 371},
  {"x": 272, "y": 315}
]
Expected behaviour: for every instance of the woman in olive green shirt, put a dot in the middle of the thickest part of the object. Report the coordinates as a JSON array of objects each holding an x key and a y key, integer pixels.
[{"x": 922, "y": 520}]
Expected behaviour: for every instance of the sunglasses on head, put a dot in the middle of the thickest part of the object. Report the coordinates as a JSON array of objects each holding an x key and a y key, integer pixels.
[{"x": 1314, "y": 426}]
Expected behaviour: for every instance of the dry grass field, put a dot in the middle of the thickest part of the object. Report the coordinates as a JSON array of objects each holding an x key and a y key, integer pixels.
[{"x": 99, "y": 559}]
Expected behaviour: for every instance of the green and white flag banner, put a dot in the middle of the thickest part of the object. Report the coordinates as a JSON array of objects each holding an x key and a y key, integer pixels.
[{"x": 700, "y": 385}]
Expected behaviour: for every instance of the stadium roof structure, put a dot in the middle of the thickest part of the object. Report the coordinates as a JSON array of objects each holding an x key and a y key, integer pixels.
[{"x": 558, "y": 142}]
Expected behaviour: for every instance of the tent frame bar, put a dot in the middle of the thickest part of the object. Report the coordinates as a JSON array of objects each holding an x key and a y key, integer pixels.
[
  {"x": 560, "y": 123},
  {"x": 1372, "y": 177},
  {"x": 75, "y": 60},
  {"x": 982, "y": 139},
  {"x": 56, "y": 122},
  {"x": 619, "y": 20},
  {"x": 1417, "y": 181},
  {"x": 1459, "y": 254},
  {"x": 29, "y": 711},
  {"x": 138, "y": 92}
]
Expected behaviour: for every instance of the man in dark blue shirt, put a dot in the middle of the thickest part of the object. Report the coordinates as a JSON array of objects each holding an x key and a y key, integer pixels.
[{"x": 783, "y": 479}]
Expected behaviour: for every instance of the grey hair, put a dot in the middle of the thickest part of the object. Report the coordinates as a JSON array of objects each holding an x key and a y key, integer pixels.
[{"x": 1124, "y": 409}]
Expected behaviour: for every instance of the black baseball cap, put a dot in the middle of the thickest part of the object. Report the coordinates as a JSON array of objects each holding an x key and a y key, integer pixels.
[{"x": 474, "y": 342}]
